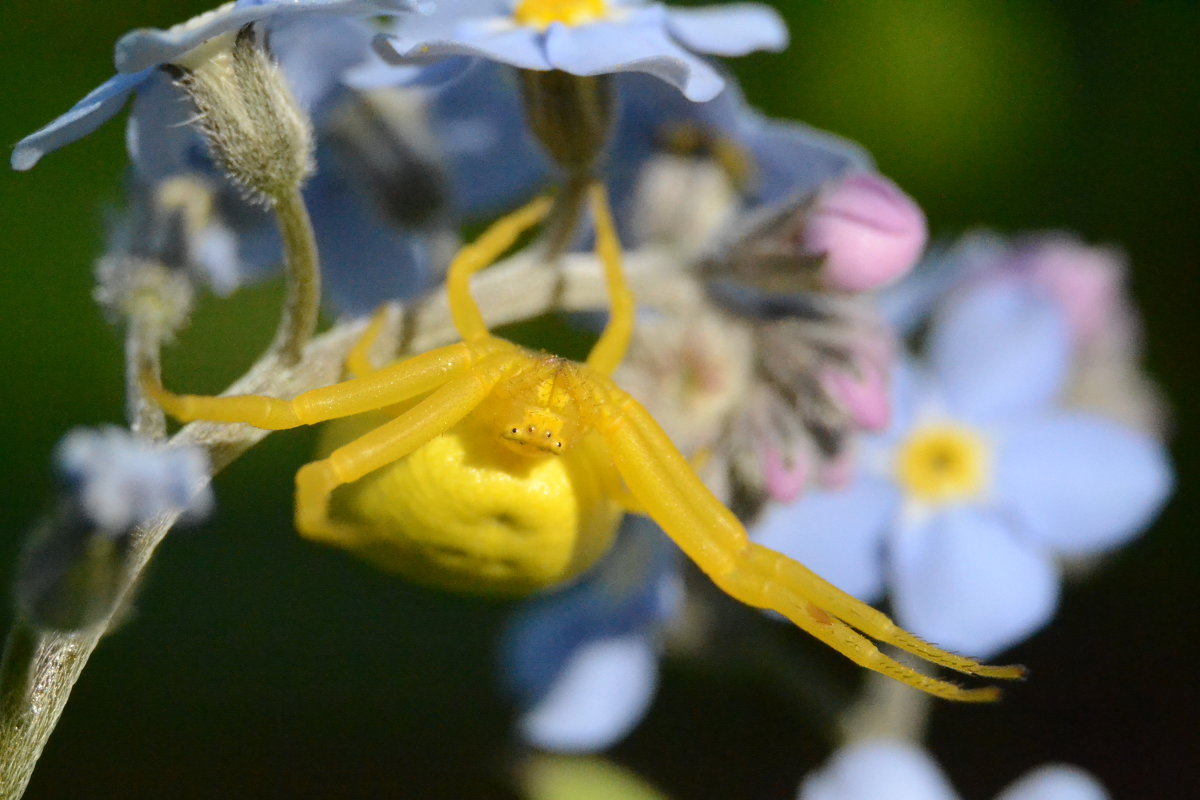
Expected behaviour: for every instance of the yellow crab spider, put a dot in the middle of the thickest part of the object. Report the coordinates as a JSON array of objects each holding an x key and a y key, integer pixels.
[{"x": 527, "y": 437}]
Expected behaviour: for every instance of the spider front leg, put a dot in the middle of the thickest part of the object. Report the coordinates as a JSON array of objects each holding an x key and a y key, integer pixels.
[
  {"x": 390, "y": 442},
  {"x": 665, "y": 485},
  {"x": 393, "y": 384}
]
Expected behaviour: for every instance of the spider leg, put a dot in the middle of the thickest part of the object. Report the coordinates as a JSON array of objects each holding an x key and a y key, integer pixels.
[
  {"x": 392, "y": 384},
  {"x": 609, "y": 350},
  {"x": 389, "y": 442},
  {"x": 358, "y": 360},
  {"x": 476, "y": 256},
  {"x": 660, "y": 478}
]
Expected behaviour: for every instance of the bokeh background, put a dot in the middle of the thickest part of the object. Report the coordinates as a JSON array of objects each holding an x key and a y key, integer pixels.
[{"x": 255, "y": 665}]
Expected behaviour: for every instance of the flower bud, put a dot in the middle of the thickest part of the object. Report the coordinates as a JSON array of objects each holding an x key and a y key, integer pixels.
[
  {"x": 862, "y": 390},
  {"x": 253, "y": 125},
  {"x": 1086, "y": 282},
  {"x": 785, "y": 476},
  {"x": 868, "y": 232}
]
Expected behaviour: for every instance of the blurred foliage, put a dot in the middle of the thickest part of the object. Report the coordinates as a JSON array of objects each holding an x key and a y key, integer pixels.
[{"x": 256, "y": 665}]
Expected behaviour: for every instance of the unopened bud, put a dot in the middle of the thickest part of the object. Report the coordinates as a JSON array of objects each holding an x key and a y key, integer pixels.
[
  {"x": 1086, "y": 282},
  {"x": 253, "y": 125},
  {"x": 868, "y": 232},
  {"x": 862, "y": 390},
  {"x": 785, "y": 476}
]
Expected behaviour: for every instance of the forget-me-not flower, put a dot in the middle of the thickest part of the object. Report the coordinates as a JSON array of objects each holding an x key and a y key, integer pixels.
[
  {"x": 592, "y": 37},
  {"x": 983, "y": 480},
  {"x": 118, "y": 482},
  {"x": 139, "y": 53},
  {"x": 582, "y": 662},
  {"x": 883, "y": 768},
  {"x": 367, "y": 256}
]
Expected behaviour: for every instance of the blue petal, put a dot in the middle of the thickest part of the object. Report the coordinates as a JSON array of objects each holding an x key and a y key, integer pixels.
[
  {"x": 582, "y": 661},
  {"x": 907, "y": 304},
  {"x": 908, "y": 392},
  {"x": 366, "y": 260},
  {"x": 90, "y": 113},
  {"x": 316, "y": 53},
  {"x": 518, "y": 46},
  {"x": 1055, "y": 782},
  {"x": 158, "y": 137},
  {"x": 627, "y": 592},
  {"x": 838, "y": 535},
  {"x": 492, "y": 157},
  {"x": 148, "y": 47},
  {"x": 637, "y": 44},
  {"x": 792, "y": 159},
  {"x": 602, "y": 693},
  {"x": 872, "y": 769},
  {"x": 965, "y": 582},
  {"x": 732, "y": 30},
  {"x": 999, "y": 350},
  {"x": 1080, "y": 483}
]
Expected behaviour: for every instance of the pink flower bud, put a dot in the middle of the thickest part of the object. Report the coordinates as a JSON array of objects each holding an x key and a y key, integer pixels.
[
  {"x": 869, "y": 232},
  {"x": 784, "y": 481},
  {"x": 1085, "y": 281},
  {"x": 863, "y": 393}
]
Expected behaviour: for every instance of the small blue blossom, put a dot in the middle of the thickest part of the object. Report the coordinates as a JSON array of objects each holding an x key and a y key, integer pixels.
[
  {"x": 984, "y": 479},
  {"x": 592, "y": 37},
  {"x": 776, "y": 159},
  {"x": 140, "y": 52},
  {"x": 367, "y": 257},
  {"x": 494, "y": 162},
  {"x": 875, "y": 768},
  {"x": 583, "y": 662},
  {"x": 118, "y": 482}
]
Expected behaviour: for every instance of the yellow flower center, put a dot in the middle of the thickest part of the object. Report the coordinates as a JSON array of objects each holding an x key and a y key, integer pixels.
[
  {"x": 944, "y": 463},
  {"x": 541, "y": 13}
]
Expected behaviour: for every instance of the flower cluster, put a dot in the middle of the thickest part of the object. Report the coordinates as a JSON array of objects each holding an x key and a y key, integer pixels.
[{"x": 954, "y": 436}]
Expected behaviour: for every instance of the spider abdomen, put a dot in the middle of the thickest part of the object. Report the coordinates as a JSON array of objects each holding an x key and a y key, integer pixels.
[{"x": 464, "y": 512}]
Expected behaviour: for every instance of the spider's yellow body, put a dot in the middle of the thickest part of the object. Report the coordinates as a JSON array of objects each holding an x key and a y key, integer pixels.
[
  {"x": 512, "y": 499},
  {"x": 489, "y": 466}
]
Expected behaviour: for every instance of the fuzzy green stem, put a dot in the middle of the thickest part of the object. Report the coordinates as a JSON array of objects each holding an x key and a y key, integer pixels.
[
  {"x": 142, "y": 360},
  {"x": 303, "y": 276}
]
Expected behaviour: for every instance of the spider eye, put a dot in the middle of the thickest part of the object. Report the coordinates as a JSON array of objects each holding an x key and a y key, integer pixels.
[
  {"x": 558, "y": 444},
  {"x": 514, "y": 430},
  {"x": 548, "y": 434}
]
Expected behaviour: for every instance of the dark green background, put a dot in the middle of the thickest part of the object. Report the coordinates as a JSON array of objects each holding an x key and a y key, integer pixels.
[{"x": 255, "y": 665}]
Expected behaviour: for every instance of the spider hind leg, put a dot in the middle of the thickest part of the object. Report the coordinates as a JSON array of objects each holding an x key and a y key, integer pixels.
[{"x": 673, "y": 496}]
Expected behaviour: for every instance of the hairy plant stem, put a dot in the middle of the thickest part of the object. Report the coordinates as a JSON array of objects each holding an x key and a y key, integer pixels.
[
  {"x": 302, "y": 275},
  {"x": 40, "y": 667},
  {"x": 142, "y": 359}
]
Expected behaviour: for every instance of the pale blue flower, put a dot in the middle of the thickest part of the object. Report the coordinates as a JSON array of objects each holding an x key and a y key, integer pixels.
[
  {"x": 592, "y": 37},
  {"x": 367, "y": 256},
  {"x": 780, "y": 158},
  {"x": 140, "y": 52},
  {"x": 494, "y": 162},
  {"x": 983, "y": 481},
  {"x": 582, "y": 662},
  {"x": 871, "y": 769},
  {"x": 117, "y": 482}
]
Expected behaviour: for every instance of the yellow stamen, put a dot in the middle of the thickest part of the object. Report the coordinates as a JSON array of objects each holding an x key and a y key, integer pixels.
[
  {"x": 541, "y": 13},
  {"x": 943, "y": 463}
]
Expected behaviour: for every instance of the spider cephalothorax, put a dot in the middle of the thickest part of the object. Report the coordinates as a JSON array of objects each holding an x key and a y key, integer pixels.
[{"x": 437, "y": 485}]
